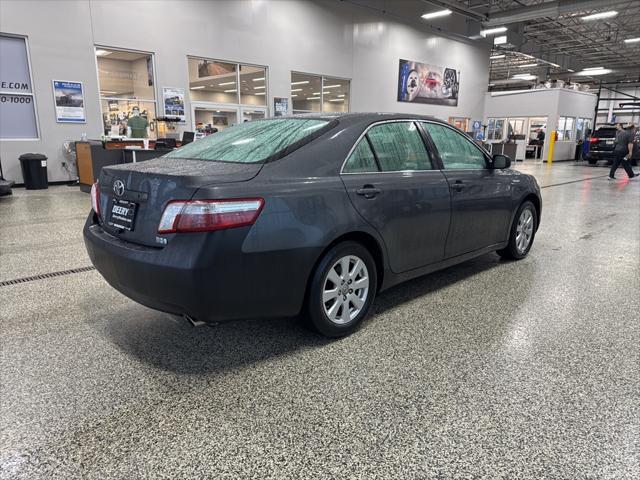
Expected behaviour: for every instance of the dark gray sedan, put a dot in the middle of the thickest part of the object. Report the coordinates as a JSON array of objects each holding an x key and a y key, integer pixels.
[{"x": 312, "y": 214}]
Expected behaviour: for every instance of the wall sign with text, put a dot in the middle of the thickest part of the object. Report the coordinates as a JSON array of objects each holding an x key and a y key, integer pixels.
[{"x": 69, "y": 101}]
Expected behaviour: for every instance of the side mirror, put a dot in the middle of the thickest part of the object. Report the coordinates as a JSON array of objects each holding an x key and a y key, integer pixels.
[{"x": 500, "y": 161}]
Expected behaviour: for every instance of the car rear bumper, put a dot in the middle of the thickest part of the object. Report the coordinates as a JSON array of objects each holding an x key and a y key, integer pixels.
[
  {"x": 597, "y": 155},
  {"x": 206, "y": 276}
]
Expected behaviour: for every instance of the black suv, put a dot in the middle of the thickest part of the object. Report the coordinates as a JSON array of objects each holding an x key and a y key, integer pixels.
[
  {"x": 602, "y": 142},
  {"x": 601, "y": 145}
]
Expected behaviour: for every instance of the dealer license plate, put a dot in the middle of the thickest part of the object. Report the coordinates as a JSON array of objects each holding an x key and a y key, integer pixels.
[
  {"x": 610, "y": 142},
  {"x": 122, "y": 214}
]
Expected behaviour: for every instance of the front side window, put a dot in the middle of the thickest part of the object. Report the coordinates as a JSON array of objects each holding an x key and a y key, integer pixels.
[
  {"x": 251, "y": 142},
  {"x": 399, "y": 146},
  {"x": 361, "y": 159},
  {"x": 456, "y": 151}
]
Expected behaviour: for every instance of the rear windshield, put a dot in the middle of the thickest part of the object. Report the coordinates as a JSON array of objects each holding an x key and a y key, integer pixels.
[
  {"x": 250, "y": 142},
  {"x": 605, "y": 132}
]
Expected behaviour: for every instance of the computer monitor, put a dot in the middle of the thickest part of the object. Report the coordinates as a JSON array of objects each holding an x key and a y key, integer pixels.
[{"x": 187, "y": 137}]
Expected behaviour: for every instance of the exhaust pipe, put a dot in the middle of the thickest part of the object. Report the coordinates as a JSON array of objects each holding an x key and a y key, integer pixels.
[{"x": 195, "y": 323}]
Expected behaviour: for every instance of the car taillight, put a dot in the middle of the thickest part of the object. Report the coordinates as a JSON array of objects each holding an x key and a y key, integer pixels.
[
  {"x": 593, "y": 140},
  {"x": 208, "y": 215},
  {"x": 95, "y": 198}
]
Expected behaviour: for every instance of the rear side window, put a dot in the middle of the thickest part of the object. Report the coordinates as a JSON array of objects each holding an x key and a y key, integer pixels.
[
  {"x": 399, "y": 146},
  {"x": 361, "y": 159},
  {"x": 251, "y": 142},
  {"x": 456, "y": 151}
]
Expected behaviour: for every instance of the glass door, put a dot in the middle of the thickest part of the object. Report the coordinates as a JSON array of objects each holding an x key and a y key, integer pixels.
[
  {"x": 208, "y": 118},
  {"x": 252, "y": 113}
]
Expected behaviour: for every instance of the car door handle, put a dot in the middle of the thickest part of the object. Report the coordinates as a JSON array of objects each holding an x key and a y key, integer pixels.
[
  {"x": 368, "y": 191},
  {"x": 458, "y": 185}
]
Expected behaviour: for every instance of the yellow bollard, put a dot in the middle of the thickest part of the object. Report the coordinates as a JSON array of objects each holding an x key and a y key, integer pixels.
[{"x": 552, "y": 143}]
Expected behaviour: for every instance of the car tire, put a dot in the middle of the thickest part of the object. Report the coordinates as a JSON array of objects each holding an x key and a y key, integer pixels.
[
  {"x": 335, "y": 309},
  {"x": 522, "y": 233}
]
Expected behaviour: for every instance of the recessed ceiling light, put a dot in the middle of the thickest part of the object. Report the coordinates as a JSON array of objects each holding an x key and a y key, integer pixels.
[
  {"x": 491, "y": 31},
  {"x": 593, "y": 68},
  {"x": 332, "y": 86},
  {"x": 524, "y": 76},
  {"x": 294, "y": 95},
  {"x": 300, "y": 83},
  {"x": 500, "y": 40},
  {"x": 197, "y": 88},
  {"x": 590, "y": 73},
  {"x": 632, "y": 40},
  {"x": 341, "y": 95},
  {"x": 569, "y": 70},
  {"x": 496, "y": 57},
  {"x": 258, "y": 88},
  {"x": 439, "y": 13},
  {"x": 103, "y": 53},
  {"x": 296, "y": 89},
  {"x": 527, "y": 65},
  {"x": 226, "y": 83},
  {"x": 600, "y": 16},
  {"x": 260, "y": 93},
  {"x": 258, "y": 79},
  {"x": 313, "y": 98},
  {"x": 231, "y": 91},
  {"x": 315, "y": 93},
  {"x": 337, "y": 100}
]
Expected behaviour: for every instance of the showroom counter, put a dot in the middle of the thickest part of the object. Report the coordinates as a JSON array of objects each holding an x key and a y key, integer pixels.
[{"x": 92, "y": 155}]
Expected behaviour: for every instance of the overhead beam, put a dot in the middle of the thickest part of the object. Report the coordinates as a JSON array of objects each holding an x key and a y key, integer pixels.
[{"x": 551, "y": 9}]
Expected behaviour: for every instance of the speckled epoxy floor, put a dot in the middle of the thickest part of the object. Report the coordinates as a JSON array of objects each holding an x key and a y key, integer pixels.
[{"x": 489, "y": 369}]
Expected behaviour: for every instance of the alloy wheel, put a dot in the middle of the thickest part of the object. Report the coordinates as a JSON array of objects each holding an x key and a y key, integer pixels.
[
  {"x": 345, "y": 289},
  {"x": 524, "y": 230}
]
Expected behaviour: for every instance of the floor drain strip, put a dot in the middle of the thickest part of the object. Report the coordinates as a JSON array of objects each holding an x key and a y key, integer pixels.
[{"x": 44, "y": 276}]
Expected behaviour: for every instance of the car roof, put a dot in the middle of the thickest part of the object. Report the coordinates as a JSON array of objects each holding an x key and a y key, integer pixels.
[{"x": 364, "y": 117}]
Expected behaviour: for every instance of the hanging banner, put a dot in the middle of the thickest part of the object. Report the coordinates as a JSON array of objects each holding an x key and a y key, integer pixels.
[
  {"x": 280, "y": 106},
  {"x": 422, "y": 83},
  {"x": 173, "y": 101},
  {"x": 69, "y": 101}
]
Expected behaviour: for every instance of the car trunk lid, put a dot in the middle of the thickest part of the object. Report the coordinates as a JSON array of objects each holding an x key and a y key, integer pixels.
[{"x": 133, "y": 196}]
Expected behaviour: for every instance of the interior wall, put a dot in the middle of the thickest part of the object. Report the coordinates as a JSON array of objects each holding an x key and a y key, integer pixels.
[
  {"x": 327, "y": 37},
  {"x": 60, "y": 48},
  {"x": 379, "y": 44}
]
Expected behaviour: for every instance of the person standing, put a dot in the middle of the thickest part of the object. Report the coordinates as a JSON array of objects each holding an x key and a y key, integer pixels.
[{"x": 622, "y": 152}]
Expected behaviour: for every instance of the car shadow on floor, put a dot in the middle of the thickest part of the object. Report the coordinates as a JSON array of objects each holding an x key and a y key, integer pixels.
[{"x": 170, "y": 343}]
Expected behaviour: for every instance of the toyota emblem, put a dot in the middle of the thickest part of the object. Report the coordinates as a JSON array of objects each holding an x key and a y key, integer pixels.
[{"x": 118, "y": 187}]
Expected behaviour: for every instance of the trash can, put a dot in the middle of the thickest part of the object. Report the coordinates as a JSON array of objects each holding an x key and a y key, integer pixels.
[{"x": 34, "y": 171}]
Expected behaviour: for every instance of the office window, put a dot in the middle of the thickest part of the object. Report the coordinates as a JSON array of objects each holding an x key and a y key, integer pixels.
[
  {"x": 490, "y": 128},
  {"x": 126, "y": 81},
  {"x": 498, "y": 132},
  {"x": 213, "y": 81},
  {"x": 253, "y": 85},
  {"x": 456, "y": 151},
  {"x": 565, "y": 129},
  {"x": 516, "y": 126},
  {"x": 335, "y": 94},
  {"x": 315, "y": 93},
  {"x": 399, "y": 146},
  {"x": 18, "y": 119}
]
